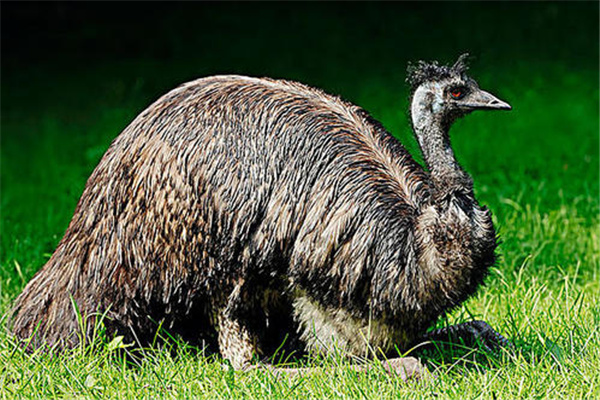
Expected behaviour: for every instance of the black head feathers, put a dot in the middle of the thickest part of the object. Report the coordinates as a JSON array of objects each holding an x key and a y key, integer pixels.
[{"x": 431, "y": 71}]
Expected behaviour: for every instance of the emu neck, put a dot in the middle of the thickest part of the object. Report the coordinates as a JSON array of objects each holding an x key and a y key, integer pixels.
[
  {"x": 434, "y": 140},
  {"x": 431, "y": 131}
]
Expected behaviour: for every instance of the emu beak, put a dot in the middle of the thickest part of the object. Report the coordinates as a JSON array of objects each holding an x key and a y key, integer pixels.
[{"x": 482, "y": 100}]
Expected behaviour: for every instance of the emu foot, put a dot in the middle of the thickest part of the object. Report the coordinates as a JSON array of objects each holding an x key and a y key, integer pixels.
[
  {"x": 406, "y": 368},
  {"x": 471, "y": 333}
]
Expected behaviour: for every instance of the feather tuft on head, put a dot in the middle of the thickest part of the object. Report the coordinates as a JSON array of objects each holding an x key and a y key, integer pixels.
[{"x": 424, "y": 71}]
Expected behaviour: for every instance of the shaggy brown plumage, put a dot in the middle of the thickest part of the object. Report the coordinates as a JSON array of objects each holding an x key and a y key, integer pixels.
[{"x": 238, "y": 210}]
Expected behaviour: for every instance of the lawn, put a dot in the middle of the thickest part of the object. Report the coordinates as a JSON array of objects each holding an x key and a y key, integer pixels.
[{"x": 73, "y": 76}]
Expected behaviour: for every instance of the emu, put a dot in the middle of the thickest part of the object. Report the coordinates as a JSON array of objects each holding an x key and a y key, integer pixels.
[{"x": 241, "y": 211}]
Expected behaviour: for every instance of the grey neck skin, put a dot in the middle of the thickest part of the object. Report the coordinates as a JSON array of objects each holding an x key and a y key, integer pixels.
[{"x": 431, "y": 128}]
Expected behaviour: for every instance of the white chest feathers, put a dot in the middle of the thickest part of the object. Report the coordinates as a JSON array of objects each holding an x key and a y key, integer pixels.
[{"x": 329, "y": 330}]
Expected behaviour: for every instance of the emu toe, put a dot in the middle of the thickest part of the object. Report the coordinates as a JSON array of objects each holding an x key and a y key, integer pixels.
[
  {"x": 406, "y": 368},
  {"x": 471, "y": 333}
]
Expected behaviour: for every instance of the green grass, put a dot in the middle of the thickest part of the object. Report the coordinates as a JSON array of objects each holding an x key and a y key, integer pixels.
[
  {"x": 536, "y": 167},
  {"x": 549, "y": 310}
]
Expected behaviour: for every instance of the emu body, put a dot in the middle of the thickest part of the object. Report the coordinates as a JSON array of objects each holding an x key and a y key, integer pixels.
[{"x": 239, "y": 210}]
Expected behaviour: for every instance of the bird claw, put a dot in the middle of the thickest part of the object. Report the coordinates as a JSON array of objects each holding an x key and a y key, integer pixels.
[
  {"x": 490, "y": 340},
  {"x": 472, "y": 332}
]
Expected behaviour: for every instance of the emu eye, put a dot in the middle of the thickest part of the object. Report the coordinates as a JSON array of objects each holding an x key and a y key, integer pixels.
[{"x": 457, "y": 93}]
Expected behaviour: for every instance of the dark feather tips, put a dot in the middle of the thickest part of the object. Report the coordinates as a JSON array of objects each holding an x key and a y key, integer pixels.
[{"x": 423, "y": 71}]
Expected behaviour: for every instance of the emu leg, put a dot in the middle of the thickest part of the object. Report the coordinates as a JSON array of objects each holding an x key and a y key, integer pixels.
[
  {"x": 236, "y": 342},
  {"x": 471, "y": 333}
]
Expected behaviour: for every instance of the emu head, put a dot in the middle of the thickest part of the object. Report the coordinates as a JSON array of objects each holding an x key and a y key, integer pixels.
[{"x": 444, "y": 93}]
